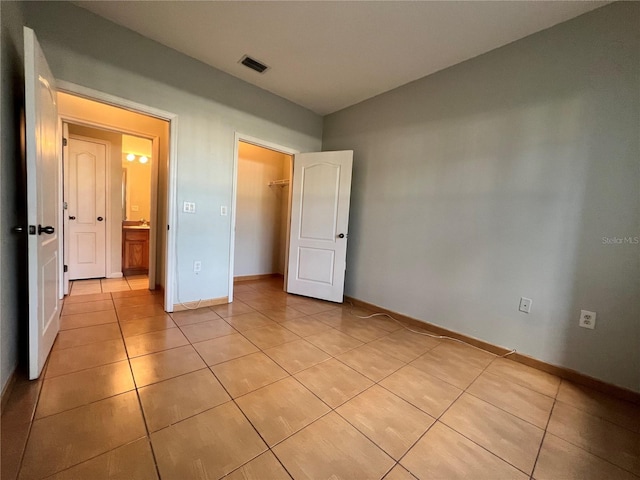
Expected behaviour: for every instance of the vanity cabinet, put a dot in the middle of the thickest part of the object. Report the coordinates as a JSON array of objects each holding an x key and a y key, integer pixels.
[{"x": 135, "y": 251}]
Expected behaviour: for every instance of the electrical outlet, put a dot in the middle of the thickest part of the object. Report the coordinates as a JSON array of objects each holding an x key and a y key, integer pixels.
[
  {"x": 197, "y": 266},
  {"x": 189, "y": 207},
  {"x": 223, "y": 211},
  {"x": 525, "y": 305},
  {"x": 135, "y": 208},
  {"x": 587, "y": 319}
]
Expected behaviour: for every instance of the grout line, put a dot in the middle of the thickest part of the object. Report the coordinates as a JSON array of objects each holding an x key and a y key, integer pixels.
[
  {"x": 31, "y": 422},
  {"x": 241, "y": 411},
  {"x": 471, "y": 440},
  {"x": 535, "y": 462},
  {"x": 506, "y": 411},
  {"x": 580, "y": 447},
  {"x": 133, "y": 378}
]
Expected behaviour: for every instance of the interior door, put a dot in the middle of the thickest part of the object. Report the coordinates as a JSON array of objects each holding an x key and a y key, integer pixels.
[
  {"x": 43, "y": 204},
  {"x": 321, "y": 191},
  {"x": 86, "y": 207},
  {"x": 65, "y": 217}
]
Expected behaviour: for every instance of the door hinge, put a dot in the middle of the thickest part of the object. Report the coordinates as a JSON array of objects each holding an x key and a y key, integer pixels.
[
  {"x": 64, "y": 142},
  {"x": 167, "y": 227},
  {"x": 65, "y": 269}
]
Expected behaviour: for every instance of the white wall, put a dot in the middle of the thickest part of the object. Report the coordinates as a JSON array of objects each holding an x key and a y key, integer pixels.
[
  {"x": 259, "y": 211},
  {"x": 498, "y": 178},
  {"x": 115, "y": 172},
  {"x": 211, "y": 105}
]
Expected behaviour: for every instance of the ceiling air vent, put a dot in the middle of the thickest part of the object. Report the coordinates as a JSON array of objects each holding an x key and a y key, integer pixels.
[{"x": 253, "y": 64}]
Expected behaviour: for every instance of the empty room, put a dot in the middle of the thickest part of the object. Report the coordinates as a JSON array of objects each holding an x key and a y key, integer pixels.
[{"x": 320, "y": 240}]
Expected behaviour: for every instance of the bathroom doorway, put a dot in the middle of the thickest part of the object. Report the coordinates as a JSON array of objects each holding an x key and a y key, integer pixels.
[{"x": 117, "y": 226}]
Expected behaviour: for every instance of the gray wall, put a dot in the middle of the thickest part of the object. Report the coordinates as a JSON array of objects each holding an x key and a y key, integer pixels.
[
  {"x": 12, "y": 201},
  {"x": 85, "y": 49},
  {"x": 498, "y": 178}
]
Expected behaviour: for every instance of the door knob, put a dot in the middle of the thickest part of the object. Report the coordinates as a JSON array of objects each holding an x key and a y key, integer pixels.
[
  {"x": 341, "y": 235},
  {"x": 71, "y": 217},
  {"x": 17, "y": 229},
  {"x": 100, "y": 219},
  {"x": 48, "y": 230}
]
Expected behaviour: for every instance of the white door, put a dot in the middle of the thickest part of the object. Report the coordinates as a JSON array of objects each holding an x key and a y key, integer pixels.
[
  {"x": 43, "y": 204},
  {"x": 65, "y": 217},
  {"x": 319, "y": 224},
  {"x": 86, "y": 207}
]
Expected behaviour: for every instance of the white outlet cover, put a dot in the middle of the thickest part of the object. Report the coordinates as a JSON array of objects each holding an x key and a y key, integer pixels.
[
  {"x": 525, "y": 305},
  {"x": 587, "y": 319}
]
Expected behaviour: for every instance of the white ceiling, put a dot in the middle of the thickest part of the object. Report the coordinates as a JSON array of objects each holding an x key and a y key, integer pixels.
[{"x": 328, "y": 55}]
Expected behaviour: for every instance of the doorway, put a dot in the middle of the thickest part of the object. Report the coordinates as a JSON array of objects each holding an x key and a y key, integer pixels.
[
  {"x": 315, "y": 220},
  {"x": 261, "y": 212},
  {"x": 136, "y": 189}
]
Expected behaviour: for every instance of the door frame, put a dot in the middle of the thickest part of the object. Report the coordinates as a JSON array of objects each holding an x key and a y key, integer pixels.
[
  {"x": 107, "y": 199},
  {"x": 241, "y": 137},
  {"x": 153, "y": 195},
  {"x": 172, "y": 118}
]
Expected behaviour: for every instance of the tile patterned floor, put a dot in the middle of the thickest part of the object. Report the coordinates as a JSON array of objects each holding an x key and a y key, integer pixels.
[
  {"x": 276, "y": 386},
  {"x": 106, "y": 285}
]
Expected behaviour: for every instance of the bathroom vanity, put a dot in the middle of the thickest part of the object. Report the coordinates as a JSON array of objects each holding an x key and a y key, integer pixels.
[{"x": 135, "y": 249}]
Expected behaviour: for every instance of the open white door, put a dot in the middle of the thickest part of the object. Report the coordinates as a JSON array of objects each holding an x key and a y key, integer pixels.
[
  {"x": 43, "y": 204},
  {"x": 319, "y": 224}
]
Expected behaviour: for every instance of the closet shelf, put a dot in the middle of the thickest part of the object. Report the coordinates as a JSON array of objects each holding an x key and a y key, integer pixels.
[{"x": 281, "y": 183}]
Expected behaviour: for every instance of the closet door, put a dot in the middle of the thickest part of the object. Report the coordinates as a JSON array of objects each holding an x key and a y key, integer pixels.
[{"x": 321, "y": 188}]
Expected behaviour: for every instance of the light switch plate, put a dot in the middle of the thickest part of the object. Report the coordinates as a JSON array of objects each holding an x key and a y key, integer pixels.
[{"x": 189, "y": 207}]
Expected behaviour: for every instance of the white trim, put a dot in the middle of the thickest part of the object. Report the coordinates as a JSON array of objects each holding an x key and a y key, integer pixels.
[
  {"x": 170, "y": 267},
  {"x": 90, "y": 93},
  {"x": 240, "y": 137},
  {"x": 153, "y": 214},
  {"x": 171, "y": 279},
  {"x": 107, "y": 195},
  {"x": 288, "y": 238},
  {"x": 96, "y": 124},
  {"x": 64, "y": 218},
  {"x": 153, "y": 211}
]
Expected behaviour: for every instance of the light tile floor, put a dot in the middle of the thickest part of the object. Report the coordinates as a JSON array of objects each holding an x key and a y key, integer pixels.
[
  {"x": 106, "y": 285},
  {"x": 277, "y": 386}
]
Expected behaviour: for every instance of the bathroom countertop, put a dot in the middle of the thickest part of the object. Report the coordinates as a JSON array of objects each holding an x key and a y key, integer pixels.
[{"x": 136, "y": 227}]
